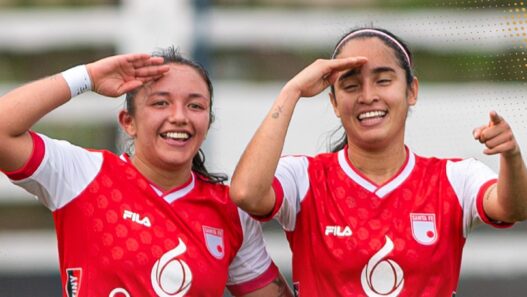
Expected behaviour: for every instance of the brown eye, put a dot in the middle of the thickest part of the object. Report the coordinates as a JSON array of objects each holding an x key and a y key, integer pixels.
[
  {"x": 196, "y": 106},
  {"x": 160, "y": 103},
  {"x": 351, "y": 87}
]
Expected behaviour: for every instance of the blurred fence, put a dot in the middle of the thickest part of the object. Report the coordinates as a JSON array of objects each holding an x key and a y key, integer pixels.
[{"x": 440, "y": 124}]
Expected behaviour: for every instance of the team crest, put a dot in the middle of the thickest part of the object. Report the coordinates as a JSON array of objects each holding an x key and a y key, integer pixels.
[
  {"x": 214, "y": 241},
  {"x": 73, "y": 281},
  {"x": 424, "y": 228}
]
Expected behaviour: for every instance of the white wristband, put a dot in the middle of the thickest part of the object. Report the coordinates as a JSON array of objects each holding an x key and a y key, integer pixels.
[{"x": 78, "y": 80}]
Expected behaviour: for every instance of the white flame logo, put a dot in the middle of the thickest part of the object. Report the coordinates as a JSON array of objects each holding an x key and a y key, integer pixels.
[
  {"x": 382, "y": 278},
  {"x": 171, "y": 277}
]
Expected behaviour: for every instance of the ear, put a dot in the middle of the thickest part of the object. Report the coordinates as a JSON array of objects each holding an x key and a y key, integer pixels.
[
  {"x": 127, "y": 123},
  {"x": 333, "y": 100},
  {"x": 412, "y": 92}
]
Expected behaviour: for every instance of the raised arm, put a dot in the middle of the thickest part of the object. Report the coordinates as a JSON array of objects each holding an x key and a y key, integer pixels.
[
  {"x": 507, "y": 200},
  {"x": 23, "y": 107},
  {"x": 252, "y": 179}
]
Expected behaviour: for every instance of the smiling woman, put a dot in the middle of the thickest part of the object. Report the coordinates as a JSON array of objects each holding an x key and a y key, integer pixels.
[
  {"x": 171, "y": 125},
  {"x": 154, "y": 223},
  {"x": 379, "y": 220}
]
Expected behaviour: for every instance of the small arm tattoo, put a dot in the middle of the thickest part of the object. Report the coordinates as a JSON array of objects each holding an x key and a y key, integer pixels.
[
  {"x": 277, "y": 112},
  {"x": 492, "y": 189},
  {"x": 283, "y": 289}
]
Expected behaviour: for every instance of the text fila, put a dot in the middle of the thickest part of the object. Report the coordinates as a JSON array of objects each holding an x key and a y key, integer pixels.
[
  {"x": 338, "y": 231},
  {"x": 130, "y": 215}
]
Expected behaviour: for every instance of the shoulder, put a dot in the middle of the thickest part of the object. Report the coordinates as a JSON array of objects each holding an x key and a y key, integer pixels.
[
  {"x": 431, "y": 161},
  {"x": 322, "y": 159}
]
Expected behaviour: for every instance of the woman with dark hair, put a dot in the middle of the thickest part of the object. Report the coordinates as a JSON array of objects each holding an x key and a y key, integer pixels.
[
  {"x": 372, "y": 218},
  {"x": 154, "y": 223}
]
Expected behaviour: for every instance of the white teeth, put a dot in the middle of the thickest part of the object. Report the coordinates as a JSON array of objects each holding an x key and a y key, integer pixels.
[
  {"x": 372, "y": 114},
  {"x": 177, "y": 135}
]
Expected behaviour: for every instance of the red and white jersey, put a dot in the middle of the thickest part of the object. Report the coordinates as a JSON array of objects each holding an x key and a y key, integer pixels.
[
  {"x": 352, "y": 237},
  {"x": 119, "y": 235}
]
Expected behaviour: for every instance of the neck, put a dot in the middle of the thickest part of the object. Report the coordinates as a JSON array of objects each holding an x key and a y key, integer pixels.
[
  {"x": 164, "y": 179},
  {"x": 380, "y": 165}
]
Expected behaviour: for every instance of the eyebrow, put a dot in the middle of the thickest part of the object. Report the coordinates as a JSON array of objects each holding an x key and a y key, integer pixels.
[
  {"x": 159, "y": 93},
  {"x": 356, "y": 71},
  {"x": 164, "y": 93},
  {"x": 383, "y": 69},
  {"x": 349, "y": 73},
  {"x": 197, "y": 95}
]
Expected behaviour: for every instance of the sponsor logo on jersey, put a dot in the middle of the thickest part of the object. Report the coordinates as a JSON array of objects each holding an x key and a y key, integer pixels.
[
  {"x": 73, "y": 281},
  {"x": 170, "y": 276},
  {"x": 382, "y": 277},
  {"x": 214, "y": 241},
  {"x": 424, "y": 227},
  {"x": 338, "y": 231},
  {"x": 136, "y": 218}
]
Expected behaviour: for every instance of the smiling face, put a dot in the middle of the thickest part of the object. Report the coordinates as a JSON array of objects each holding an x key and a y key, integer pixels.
[
  {"x": 171, "y": 119},
  {"x": 373, "y": 101}
]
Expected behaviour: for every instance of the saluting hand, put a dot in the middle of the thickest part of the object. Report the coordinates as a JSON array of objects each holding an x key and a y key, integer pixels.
[
  {"x": 497, "y": 137},
  {"x": 321, "y": 74},
  {"x": 117, "y": 75}
]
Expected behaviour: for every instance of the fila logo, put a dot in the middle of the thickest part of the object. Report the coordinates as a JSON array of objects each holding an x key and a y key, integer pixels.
[
  {"x": 134, "y": 217},
  {"x": 338, "y": 231}
]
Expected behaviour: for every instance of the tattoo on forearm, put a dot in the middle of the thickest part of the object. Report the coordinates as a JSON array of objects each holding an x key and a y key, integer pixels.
[
  {"x": 282, "y": 287},
  {"x": 492, "y": 189},
  {"x": 277, "y": 112}
]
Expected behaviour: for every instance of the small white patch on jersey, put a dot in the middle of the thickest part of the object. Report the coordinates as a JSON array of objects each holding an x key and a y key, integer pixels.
[
  {"x": 214, "y": 241},
  {"x": 338, "y": 231},
  {"x": 424, "y": 228},
  {"x": 136, "y": 218}
]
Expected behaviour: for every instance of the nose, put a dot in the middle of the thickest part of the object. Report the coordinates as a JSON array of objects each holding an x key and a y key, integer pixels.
[
  {"x": 368, "y": 94},
  {"x": 178, "y": 115}
]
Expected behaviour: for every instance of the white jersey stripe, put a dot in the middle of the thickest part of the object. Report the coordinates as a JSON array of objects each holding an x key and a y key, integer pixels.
[
  {"x": 399, "y": 179},
  {"x": 384, "y": 190},
  {"x": 352, "y": 174}
]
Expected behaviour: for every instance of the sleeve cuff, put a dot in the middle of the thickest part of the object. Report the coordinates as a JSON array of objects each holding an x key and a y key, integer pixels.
[
  {"x": 257, "y": 283},
  {"x": 34, "y": 160},
  {"x": 481, "y": 211},
  {"x": 279, "y": 199}
]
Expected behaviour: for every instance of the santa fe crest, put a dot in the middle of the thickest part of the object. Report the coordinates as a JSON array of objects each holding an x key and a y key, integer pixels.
[
  {"x": 214, "y": 241},
  {"x": 424, "y": 228}
]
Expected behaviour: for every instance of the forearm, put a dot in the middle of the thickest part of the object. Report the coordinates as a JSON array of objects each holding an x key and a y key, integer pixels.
[
  {"x": 253, "y": 177},
  {"x": 24, "y": 106},
  {"x": 512, "y": 188},
  {"x": 20, "y": 110}
]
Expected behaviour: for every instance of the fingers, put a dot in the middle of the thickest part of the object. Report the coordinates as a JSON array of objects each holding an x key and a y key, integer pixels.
[
  {"x": 502, "y": 148},
  {"x": 346, "y": 63},
  {"x": 497, "y": 136},
  {"x": 141, "y": 60},
  {"x": 145, "y": 65},
  {"x": 496, "y": 126},
  {"x": 495, "y": 118},
  {"x": 151, "y": 71},
  {"x": 477, "y": 133},
  {"x": 129, "y": 86}
]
